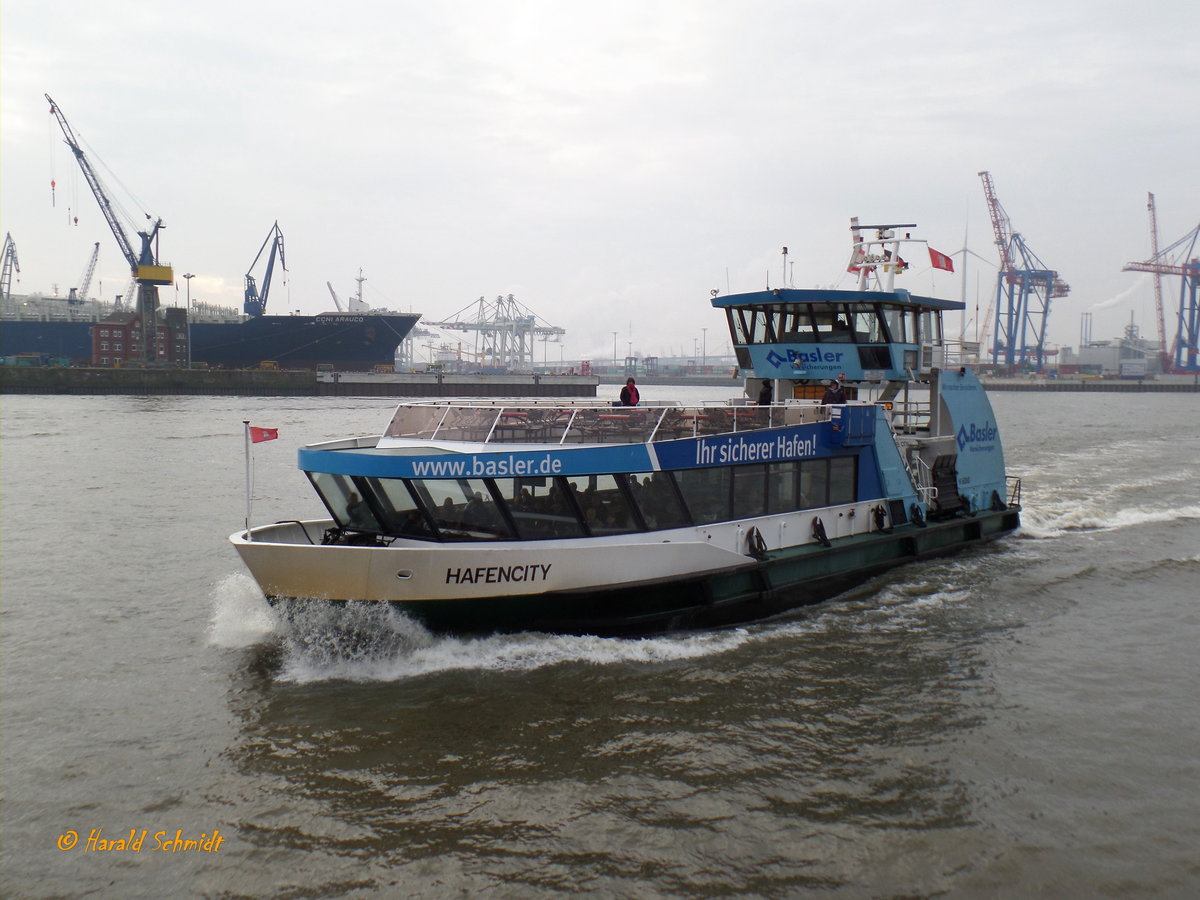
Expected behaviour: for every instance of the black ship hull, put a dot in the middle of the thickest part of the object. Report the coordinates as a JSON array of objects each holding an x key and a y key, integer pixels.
[{"x": 347, "y": 342}]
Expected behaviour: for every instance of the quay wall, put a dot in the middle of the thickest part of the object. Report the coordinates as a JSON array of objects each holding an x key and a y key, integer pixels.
[{"x": 267, "y": 383}]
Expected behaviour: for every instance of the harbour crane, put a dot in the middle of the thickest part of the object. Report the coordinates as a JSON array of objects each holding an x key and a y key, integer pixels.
[
  {"x": 143, "y": 264},
  {"x": 1024, "y": 288},
  {"x": 1179, "y": 259},
  {"x": 505, "y": 331},
  {"x": 256, "y": 303},
  {"x": 9, "y": 265},
  {"x": 79, "y": 294},
  {"x": 1164, "y": 352}
]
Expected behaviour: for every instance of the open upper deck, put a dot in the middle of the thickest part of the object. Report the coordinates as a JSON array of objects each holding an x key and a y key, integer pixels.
[{"x": 583, "y": 422}]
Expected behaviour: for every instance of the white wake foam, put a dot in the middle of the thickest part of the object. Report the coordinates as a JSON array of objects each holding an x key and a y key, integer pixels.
[
  {"x": 368, "y": 642},
  {"x": 241, "y": 615}
]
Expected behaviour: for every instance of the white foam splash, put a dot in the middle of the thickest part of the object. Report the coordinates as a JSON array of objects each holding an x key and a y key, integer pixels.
[
  {"x": 1059, "y": 519},
  {"x": 241, "y": 615},
  {"x": 365, "y": 642}
]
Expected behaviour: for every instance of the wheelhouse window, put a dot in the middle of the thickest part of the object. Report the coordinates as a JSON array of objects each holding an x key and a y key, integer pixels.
[
  {"x": 862, "y": 323},
  {"x": 896, "y": 322},
  {"x": 931, "y": 328}
]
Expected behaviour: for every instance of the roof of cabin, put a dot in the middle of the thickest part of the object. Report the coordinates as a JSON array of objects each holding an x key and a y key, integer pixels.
[{"x": 812, "y": 296}]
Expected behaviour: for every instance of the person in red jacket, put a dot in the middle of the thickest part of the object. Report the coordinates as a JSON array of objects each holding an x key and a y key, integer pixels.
[{"x": 629, "y": 393}]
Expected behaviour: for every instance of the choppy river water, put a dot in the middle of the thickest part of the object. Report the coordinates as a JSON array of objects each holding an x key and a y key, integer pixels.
[{"x": 1018, "y": 721}]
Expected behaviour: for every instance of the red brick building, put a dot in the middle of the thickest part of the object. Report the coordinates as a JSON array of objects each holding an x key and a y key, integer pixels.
[{"x": 116, "y": 340}]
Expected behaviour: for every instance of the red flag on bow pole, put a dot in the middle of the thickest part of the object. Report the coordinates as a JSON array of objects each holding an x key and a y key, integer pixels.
[
  {"x": 254, "y": 435},
  {"x": 940, "y": 261}
]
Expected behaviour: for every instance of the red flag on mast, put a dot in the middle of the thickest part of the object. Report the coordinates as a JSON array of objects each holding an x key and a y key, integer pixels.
[
  {"x": 940, "y": 261},
  {"x": 258, "y": 435}
]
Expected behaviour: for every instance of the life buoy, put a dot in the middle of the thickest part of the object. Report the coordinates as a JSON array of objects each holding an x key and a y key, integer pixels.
[{"x": 818, "y": 532}]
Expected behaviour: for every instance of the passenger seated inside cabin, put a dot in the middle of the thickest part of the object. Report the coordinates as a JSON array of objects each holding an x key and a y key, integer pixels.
[{"x": 358, "y": 514}]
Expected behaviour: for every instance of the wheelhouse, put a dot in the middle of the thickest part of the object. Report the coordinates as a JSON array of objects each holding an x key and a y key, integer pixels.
[{"x": 818, "y": 334}]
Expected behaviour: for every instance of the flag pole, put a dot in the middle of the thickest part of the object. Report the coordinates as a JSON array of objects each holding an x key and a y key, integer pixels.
[{"x": 246, "y": 428}]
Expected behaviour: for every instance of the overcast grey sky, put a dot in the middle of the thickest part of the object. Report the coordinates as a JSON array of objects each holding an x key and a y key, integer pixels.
[{"x": 607, "y": 163}]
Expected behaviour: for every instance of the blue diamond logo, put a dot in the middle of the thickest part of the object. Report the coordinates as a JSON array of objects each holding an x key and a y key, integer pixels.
[{"x": 775, "y": 359}]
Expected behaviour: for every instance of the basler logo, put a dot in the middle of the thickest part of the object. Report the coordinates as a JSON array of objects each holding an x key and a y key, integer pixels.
[{"x": 977, "y": 433}]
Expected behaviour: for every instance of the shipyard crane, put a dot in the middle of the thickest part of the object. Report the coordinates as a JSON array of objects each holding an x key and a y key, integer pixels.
[
  {"x": 1164, "y": 353},
  {"x": 143, "y": 264},
  {"x": 8, "y": 266},
  {"x": 1180, "y": 259},
  {"x": 79, "y": 294},
  {"x": 1024, "y": 288},
  {"x": 256, "y": 303},
  {"x": 505, "y": 331}
]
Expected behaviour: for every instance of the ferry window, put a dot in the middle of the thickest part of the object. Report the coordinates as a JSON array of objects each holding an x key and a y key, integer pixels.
[
  {"x": 781, "y": 487},
  {"x": 875, "y": 357},
  {"x": 749, "y": 491},
  {"x": 463, "y": 509},
  {"x": 866, "y": 325},
  {"x": 759, "y": 326},
  {"x": 401, "y": 514},
  {"x": 737, "y": 326},
  {"x": 603, "y": 504},
  {"x": 931, "y": 330},
  {"x": 706, "y": 493},
  {"x": 659, "y": 502},
  {"x": 842, "y": 480},
  {"x": 539, "y": 508},
  {"x": 343, "y": 500},
  {"x": 795, "y": 327},
  {"x": 814, "y": 483},
  {"x": 832, "y": 324},
  {"x": 895, "y": 321}
]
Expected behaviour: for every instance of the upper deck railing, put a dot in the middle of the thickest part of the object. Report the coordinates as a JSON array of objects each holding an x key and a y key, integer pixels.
[{"x": 531, "y": 422}]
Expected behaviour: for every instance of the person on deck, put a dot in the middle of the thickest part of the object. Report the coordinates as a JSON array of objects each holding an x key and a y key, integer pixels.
[
  {"x": 629, "y": 393},
  {"x": 764, "y": 394},
  {"x": 834, "y": 394}
]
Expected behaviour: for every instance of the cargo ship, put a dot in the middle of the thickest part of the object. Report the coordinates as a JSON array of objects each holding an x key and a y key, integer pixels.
[{"x": 59, "y": 329}]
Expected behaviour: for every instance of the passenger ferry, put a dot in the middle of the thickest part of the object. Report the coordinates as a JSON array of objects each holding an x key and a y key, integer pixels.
[{"x": 477, "y": 516}]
